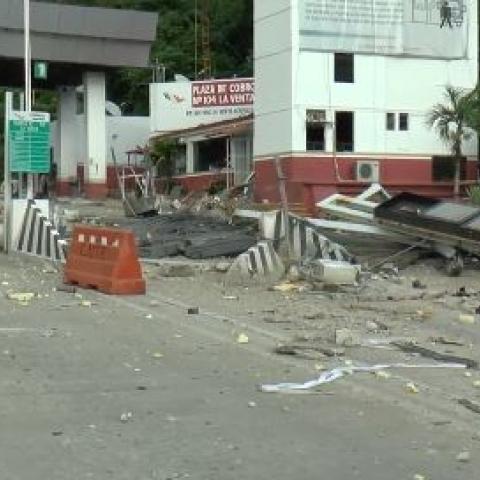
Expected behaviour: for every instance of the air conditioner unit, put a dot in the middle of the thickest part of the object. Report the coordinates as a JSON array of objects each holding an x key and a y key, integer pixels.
[
  {"x": 316, "y": 116},
  {"x": 368, "y": 171}
]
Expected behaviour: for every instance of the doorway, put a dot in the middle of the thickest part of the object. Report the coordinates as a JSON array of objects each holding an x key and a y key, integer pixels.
[{"x": 344, "y": 132}]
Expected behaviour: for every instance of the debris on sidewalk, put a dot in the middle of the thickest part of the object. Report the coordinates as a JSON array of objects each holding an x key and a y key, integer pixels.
[
  {"x": 418, "y": 285},
  {"x": 451, "y": 228},
  {"x": 309, "y": 351},
  {"x": 410, "y": 387},
  {"x": 126, "y": 417},
  {"x": 242, "y": 339},
  {"x": 447, "y": 341},
  {"x": 382, "y": 374},
  {"x": 288, "y": 287},
  {"x": 193, "y": 236},
  {"x": 466, "y": 319},
  {"x": 66, "y": 288},
  {"x": 23, "y": 298},
  {"x": 410, "y": 347},
  {"x": 447, "y": 228},
  {"x": 469, "y": 405},
  {"x": 176, "y": 270},
  {"x": 331, "y": 272},
  {"x": 337, "y": 373},
  {"x": 463, "y": 457}
]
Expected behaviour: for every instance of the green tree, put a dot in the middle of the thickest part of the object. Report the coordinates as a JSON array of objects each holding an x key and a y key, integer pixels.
[
  {"x": 450, "y": 121},
  {"x": 473, "y": 113}
]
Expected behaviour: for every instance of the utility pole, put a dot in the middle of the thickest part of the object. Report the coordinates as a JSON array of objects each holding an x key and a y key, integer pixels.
[
  {"x": 196, "y": 39},
  {"x": 7, "y": 183},
  {"x": 206, "y": 45},
  {"x": 28, "y": 77}
]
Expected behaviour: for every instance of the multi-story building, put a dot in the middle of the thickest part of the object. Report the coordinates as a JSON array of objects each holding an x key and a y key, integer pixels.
[{"x": 343, "y": 89}]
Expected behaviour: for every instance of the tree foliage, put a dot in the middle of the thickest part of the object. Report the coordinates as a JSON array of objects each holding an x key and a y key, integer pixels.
[
  {"x": 450, "y": 121},
  {"x": 473, "y": 112},
  {"x": 174, "y": 48}
]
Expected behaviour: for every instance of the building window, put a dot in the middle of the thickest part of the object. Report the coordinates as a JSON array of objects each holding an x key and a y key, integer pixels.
[
  {"x": 344, "y": 131},
  {"x": 390, "y": 121},
  {"x": 211, "y": 155},
  {"x": 315, "y": 130},
  {"x": 443, "y": 168},
  {"x": 403, "y": 122},
  {"x": 344, "y": 68}
]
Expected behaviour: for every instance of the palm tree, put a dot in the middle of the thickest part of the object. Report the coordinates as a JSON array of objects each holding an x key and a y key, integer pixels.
[
  {"x": 473, "y": 111},
  {"x": 450, "y": 120}
]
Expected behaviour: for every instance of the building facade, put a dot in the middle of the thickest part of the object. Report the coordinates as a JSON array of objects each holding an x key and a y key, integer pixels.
[
  {"x": 344, "y": 88},
  {"x": 211, "y": 121}
]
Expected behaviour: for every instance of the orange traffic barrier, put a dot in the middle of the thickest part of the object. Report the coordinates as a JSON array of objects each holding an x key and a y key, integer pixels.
[{"x": 105, "y": 259}]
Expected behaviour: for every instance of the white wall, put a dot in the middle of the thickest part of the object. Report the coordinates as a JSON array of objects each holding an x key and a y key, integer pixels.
[
  {"x": 382, "y": 84},
  {"x": 130, "y": 132},
  {"x": 273, "y": 76}
]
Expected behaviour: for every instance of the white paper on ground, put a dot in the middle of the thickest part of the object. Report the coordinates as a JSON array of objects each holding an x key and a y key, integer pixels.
[{"x": 336, "y": 373}]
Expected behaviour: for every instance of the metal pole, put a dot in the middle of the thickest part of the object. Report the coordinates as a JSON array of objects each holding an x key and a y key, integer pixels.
[
  {"x": 7, "y": 184},
  {"x": 20, "y": 175},
  {"x": 28, "y": 72},
  {"x": 28, "y": 77},
  {"x": 282, "y": 189},
  {"x": 228, "y": 162},
  {"x": 196, "y": 39}
]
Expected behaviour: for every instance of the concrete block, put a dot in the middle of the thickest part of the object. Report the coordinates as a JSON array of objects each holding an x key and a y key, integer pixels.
[
  {"x": 333, "y": 272},
  {"x": 258, "y": 264}
]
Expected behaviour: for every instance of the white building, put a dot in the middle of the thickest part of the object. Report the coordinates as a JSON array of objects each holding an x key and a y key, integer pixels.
[
  {"x": 340, "y": 82},
  {"x": 113, "y": 132},
  {"x": 213, "y": 125}
]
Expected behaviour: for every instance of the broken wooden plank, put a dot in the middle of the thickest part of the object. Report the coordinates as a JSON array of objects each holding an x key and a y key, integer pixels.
[
  {"x": 472, "y": 406},
  {"x": 410, "y": 347}
]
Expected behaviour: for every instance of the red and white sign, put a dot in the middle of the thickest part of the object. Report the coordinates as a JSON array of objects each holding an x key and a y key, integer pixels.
[
  {"x": 181, "y": 105},
  {"x": 223, "y": 93}
]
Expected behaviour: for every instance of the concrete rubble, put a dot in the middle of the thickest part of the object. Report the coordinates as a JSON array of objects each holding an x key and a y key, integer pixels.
[
  {"x": 398, "y": 337},
  {"x": 192, "y": 236}
]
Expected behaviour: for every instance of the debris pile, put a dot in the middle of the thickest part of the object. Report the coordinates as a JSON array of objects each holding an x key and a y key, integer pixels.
[
  {"x": 447, "y": 228},
  {"x": 189, "y": 235}
]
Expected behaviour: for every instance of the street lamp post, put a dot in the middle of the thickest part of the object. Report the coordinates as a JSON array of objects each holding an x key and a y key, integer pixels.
[
  {"x": 27, "y": 56},
  {"x": 28, "y": 78}
]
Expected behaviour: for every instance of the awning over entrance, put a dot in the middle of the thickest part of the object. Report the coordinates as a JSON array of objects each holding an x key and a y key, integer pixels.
[
  {"x": 226, "y": 128},
  {"x": 222, "y": 148},
  {"x": 73, "y": 40}
]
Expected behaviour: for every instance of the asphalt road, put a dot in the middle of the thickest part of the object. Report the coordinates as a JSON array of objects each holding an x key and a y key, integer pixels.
[{"x": 137, "y": 389}]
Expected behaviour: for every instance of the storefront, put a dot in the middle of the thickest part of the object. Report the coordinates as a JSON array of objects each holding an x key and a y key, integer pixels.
[
  {"x": 218, "y": 152},
  {"x": 212, "y": 125}
]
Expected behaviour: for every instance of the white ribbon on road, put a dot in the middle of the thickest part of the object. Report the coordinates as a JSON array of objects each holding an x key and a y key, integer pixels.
[{"x": 336, "y": 373}]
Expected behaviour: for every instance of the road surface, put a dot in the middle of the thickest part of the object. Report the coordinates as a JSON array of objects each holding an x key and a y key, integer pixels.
[{"x": 137, "y": 389}]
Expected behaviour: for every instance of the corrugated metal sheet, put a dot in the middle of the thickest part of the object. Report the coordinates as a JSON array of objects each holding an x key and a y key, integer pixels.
[{"x": 86, "y": 35}]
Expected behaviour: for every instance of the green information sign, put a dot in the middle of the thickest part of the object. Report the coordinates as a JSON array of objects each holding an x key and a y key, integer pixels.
[{"x": 29, "y": 142}]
